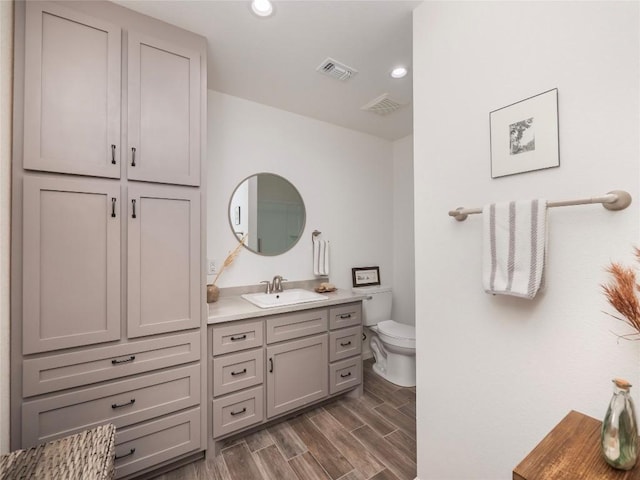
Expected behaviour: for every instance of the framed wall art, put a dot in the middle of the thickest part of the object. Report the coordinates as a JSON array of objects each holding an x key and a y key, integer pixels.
[
  {"x": 524, "y": 135},
  {"x": 365, "y": 276}
]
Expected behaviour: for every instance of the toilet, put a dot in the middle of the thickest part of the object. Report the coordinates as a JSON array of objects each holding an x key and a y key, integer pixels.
[{"x": 394, "y": 345}]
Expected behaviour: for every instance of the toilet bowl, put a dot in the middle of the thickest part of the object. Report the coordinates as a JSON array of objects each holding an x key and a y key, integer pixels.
[{"x": 394, "y": 343}]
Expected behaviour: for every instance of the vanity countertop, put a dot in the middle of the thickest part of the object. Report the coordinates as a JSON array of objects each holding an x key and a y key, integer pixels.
[{"x": 234, "y": 307}]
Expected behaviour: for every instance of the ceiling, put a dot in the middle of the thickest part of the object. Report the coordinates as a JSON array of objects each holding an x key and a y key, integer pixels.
[{"x": 273, "y": 60}]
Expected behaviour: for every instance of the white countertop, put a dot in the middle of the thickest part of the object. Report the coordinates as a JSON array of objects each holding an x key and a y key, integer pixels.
[{"x": 229, "y": 308}]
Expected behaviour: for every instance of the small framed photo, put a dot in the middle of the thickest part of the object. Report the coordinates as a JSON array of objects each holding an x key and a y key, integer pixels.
[
  {"x": 524, "y": 135},
  {"x": 364, "y": 276}
]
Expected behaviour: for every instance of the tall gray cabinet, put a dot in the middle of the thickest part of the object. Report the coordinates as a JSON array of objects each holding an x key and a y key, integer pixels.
[{"x": 107, "y": 231}]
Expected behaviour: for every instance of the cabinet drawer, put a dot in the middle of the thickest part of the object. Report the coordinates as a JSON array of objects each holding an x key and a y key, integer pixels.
[
  {"x": 345, "y": 374},
  {"x": 156, "y": 441},
  {"x": 296, "y": 325},
  {"x": 57, "y": 372},
  {"x": 345, "y": 343},
  {"x": 121, "y": 403},
  {"x": 237, "y": 411},
  {"x": 345, "y": 316},
  {"x": 237, "y": 371},
  {"x": 236, "y": 336}
]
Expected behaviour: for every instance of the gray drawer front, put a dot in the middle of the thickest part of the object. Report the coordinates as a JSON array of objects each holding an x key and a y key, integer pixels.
[
  {"x": 345, "y": 374},
  {"x": 295, "y": 325},
  {"x": 237, "y": 411},
  {"x": 345, "y": 343},
  {"x": 236, "y": 371},
  {"x": 156, "y": 441},
  {"x": 77, "y": 369},
  {"x": 345, "y": 316},
  {"x": 153, "y": 394},
  {"x": 236, "y": 336}
]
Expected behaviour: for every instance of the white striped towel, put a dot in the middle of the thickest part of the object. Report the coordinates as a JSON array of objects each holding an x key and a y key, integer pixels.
[
  {"x": 514, "y": 247},
  {"x": 316, "y": 256}
]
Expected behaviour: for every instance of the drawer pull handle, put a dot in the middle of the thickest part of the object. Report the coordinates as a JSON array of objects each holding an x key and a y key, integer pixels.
[
  {"x": 346, "y": 344},
  {"x": 239, "y": 373},
  {"x": 133, "y": 156},
  {"x": 346, "y": 315},
  {"x": 113, "y": 207},
  {"x": 238, "y": 413},
  {"x": 120, "y": 405},
  {"x": 239, "y": 337},
  {"x": 115, "y": 361},
  {"x": 271, "y": 365},
  {"x": 133, "y": 203},
  {"x": 131, "y": 452},
  {"x": 113, "y": 154},
  {"x": 344, "y": 375}
]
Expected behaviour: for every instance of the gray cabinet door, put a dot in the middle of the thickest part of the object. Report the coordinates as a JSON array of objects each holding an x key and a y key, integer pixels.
[
  {"x": 164, "y": 112},
  {"x": 297, "y": 374},
  {"x": 72, "y": 92},
  {"x": 71, "y": 262},
  {"x": 164, "y": 293}
]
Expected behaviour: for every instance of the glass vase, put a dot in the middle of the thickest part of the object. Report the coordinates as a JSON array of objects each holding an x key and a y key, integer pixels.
[{"x": 619, "y": 436}]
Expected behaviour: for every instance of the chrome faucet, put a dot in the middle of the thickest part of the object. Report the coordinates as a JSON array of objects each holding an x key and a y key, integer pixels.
[
  {"x": 267, "y": 289},
  {"x": 276, "y": 284}
]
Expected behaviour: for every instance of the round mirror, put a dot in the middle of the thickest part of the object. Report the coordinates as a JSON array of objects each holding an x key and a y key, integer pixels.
[{"x": 269, "y": 210}]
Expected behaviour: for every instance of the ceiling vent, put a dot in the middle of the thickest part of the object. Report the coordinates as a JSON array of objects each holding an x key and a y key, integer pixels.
[
  {"x": 335, "y": 69},
  {"x": 382, "y": 105}
]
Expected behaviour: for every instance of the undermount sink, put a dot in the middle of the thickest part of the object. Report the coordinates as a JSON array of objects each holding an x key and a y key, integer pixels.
[{"x": 286, "y": 297}]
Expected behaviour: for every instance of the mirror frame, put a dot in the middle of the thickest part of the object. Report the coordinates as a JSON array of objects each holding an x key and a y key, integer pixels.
[{"x": 304, "y": 217}]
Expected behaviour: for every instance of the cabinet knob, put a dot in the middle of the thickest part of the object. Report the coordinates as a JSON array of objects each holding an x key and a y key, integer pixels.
[
  {"x": 125, "y": 404},
  {"x": 131, "y": 452},
  {"x": 115, "y": 361}
]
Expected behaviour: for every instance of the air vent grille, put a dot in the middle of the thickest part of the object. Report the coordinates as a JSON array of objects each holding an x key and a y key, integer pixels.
[
  {"x": 335, "y": 69},
  {"x": 382, "y": 105}
]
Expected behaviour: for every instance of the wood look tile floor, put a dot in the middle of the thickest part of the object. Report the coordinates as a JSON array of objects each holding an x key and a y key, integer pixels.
[{"x": 370, "y": 438}]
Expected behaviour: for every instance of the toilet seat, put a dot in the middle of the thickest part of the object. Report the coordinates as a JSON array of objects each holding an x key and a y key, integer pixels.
[{"x": 398, "y": 334}]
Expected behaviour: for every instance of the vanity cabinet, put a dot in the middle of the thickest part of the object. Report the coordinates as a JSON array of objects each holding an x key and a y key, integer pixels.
[
  {"x": 70, "y": 262},
  {"x": 107, "y": 278},
  {"x": 163, "y": 111},
  {"x": 163, "y": 266},
  {"x": 71, "y": 92},
  {"x": 297, "y": 374},
  {"x": 264, "y": 368},
  {"x": 73, "y": 99}
]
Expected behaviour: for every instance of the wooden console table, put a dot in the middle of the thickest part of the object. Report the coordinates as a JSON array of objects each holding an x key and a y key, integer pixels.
[{"x": 571, "y": 451}]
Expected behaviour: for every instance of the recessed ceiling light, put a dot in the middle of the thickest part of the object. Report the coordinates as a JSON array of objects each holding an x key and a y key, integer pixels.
[
  {"x": 398, "y": 72},
  {"x": 262, "y": 8}
]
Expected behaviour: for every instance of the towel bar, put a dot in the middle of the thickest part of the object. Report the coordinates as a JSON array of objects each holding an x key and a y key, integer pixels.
[{"x": 614, "y": 200}]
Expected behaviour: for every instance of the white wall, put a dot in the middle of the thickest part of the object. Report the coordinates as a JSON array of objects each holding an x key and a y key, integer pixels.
[
  {"x": 344, "y": 177},
  {"x": 495, "y": 374},
  {"x": 403, "y": 232},
  {"x": 6, "y": 95}
]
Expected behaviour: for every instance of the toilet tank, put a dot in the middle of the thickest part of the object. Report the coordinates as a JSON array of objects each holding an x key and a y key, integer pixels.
[{"x": 377, "y": 306}]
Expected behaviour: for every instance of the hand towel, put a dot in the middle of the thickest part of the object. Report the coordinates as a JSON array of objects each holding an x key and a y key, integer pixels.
[
  {"x": 316, "y": 256},
  {"x": 514, "y": 247},
  {"x": 324, "y": 269}
]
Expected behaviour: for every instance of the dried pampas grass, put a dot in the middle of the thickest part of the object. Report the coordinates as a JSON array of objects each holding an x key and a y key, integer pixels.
[
  {"x": 622, "y": 295},
  {"x": 230, "y": 258}
]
